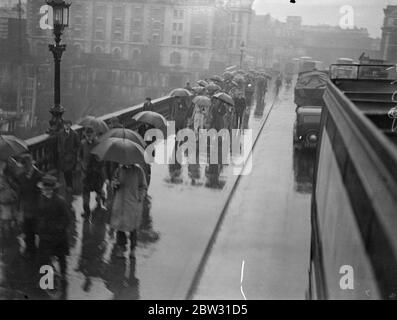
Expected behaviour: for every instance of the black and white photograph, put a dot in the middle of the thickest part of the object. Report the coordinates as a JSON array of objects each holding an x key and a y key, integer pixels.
[{"x": 203, "y": 151}]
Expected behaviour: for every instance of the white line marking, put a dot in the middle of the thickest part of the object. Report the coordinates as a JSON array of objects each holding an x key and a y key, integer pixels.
[{"x": 241, "y": 280}]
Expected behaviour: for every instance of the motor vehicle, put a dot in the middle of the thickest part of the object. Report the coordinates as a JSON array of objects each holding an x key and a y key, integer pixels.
[{"x": 307, "y": 127}]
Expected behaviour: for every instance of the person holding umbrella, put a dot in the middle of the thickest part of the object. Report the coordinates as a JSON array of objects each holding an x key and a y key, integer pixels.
[
  {"x": 93, "y": 171},
  {"x": 180, "y": 113},
  {"x": 130, "y": 185}
]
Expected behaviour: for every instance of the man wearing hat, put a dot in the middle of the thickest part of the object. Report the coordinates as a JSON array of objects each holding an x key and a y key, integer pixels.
[
  {"x": 68, "y": 146},
  {"x": 53, "y": 224},
  {"x": 93, "y": 171},
  {"x": 148, "y": 105},
  {"x": 29, "y": 195}
]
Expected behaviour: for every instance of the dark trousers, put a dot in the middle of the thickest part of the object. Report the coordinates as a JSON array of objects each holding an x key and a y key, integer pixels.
[
  {"x": 53, "y": 248},
  {"x": 29, "y": 229},
  {"x": 121, "y": 239},
  {"x": 239, "y": 120},
  {"x": 68, "y": 175}
]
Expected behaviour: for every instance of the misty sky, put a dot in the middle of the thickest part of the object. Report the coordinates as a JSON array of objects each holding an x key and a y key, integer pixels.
[{"x": 368, "y": 13}]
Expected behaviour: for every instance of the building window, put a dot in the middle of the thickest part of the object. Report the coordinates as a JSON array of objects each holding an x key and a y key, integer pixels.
[
  {"x": 180, "y": 27},
  {"x": 78, "y": 33},
  {"x": 99, "y": 35},
  {"x": 155, "y": 37},
  {"x": 78, "y": 21},
  {"x": 137, "y": 24},
  {"x": 198, "y": 41},
  {"x": 98, "y": 50},
  {"x": 157, "y": 25},
  {"x": 178, "y": 14},
  {"x": 136, "y": 37},
  {"x": 175, "y": 58},
  {"x": 117, "y": 36},
  {"x": 196, "y": 59},
  {"x": 118, "y": 23},
  {"x": 174, "y": 26},
  {"x": 177, "y": 40},
  {"x": 116, "y": 53}
]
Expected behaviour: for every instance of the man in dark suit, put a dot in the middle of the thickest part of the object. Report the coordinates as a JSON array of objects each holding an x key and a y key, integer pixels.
[
  {"x": 29, "y": 195},
  {"x": 240, "y": 106},
  {"x": 53, "y": 226},
  {"x": 68, "y": 146},
  {"x": 148, "y": 105}
]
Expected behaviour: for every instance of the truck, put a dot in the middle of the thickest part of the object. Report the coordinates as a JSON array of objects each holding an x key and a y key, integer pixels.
[{"x": 309, "y": 91}]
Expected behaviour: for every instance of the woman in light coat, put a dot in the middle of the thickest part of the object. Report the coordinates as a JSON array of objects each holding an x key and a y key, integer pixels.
[{"x": 130, "y": 187}]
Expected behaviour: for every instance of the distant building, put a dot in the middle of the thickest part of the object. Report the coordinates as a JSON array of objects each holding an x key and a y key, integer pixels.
[
  {"x": 276, "y": 42},
  {"x": 185, "y": 33},
  {"x": 389, "y": 35}
]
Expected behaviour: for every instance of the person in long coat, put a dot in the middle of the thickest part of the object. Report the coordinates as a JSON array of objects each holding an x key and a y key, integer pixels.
[
  {"x": 180, "y": 113},
  {"x": 68, "y": 146},
  {"x": 218, "y": 112},
  {"x": 131, "y": 189}
]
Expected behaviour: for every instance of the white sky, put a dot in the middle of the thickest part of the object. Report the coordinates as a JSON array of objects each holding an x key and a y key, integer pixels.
[{"x": 367, "y": 13}]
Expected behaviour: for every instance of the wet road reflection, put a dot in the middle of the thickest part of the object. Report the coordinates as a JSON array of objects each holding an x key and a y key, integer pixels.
[{"x": 303, "y": 164}]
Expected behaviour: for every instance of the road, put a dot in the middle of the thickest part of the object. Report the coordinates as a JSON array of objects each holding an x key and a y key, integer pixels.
[
  {"x": 184, "y": 216},
  {"x": 267, "y": 223}
]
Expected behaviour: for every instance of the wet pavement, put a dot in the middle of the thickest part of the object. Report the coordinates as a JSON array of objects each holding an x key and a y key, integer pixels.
[
  {"x": 262, "y": 250},
  {"x": 184, "y": 214}
]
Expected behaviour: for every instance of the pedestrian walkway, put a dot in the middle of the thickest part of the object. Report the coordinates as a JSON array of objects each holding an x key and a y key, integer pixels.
[
  {"x": 266, "y": 226},
  {"x": 184, "y": 215}
]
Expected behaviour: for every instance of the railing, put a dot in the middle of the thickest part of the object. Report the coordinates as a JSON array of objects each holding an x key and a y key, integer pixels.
[{"x": 43, "y": 148}]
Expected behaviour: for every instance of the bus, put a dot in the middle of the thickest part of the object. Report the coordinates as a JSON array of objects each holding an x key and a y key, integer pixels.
[{"x": 354, "y": 202}]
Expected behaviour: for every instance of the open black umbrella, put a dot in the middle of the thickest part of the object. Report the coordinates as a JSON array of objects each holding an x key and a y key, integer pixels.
[
  {"x": 225, "y": 98},
  {"x": 124, "y": 134},
  {"x": 152, "y": 118},
  {"x": 11, "y": 146},
  {"x": 99, "y": 126},
  {"x": 122, "y": 151},
  {"x": 180, "y": 92}
]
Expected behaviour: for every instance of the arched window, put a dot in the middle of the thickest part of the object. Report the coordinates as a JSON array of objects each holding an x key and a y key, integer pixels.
[
  {"x": 116, "y": 53},
  {"x": 98, "y": 50},
  {"x": 196, "y": 59},
  {"x": 175, "y": 58},
  {"x": 135, "y": 54}
]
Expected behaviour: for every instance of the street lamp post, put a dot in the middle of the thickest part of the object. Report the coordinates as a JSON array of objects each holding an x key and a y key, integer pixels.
[
  {"x": 61, "y": 21},
  {"x": 242, "y": 49}
]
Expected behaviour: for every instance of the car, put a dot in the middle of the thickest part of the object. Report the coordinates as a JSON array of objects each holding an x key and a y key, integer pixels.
[{"x": 307, "y": 127}]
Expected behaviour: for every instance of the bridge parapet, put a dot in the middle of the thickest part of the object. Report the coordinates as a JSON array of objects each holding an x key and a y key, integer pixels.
[{"x": 43, "y": 147}]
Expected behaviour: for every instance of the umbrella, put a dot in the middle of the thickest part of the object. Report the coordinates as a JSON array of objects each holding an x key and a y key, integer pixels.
[
  {"x": 228, "y": 75},
  {"x": 198, "y": 89},
  {"x": 202, "y": 101},
  {"x": 213, "y": 87},
  {"x": 202, "y": 83},
  {"x": 122, "y": 151},
  {"x": 124, "y": 134},
  {"x": 216, "y": 78},
  {"x": 98, "y": 125},
  {"x": 225, "y": 98},
  {"x": 180, "y": 92},
  {"x": 11, "y": 146},
  {"x": 152, "y": 118}
]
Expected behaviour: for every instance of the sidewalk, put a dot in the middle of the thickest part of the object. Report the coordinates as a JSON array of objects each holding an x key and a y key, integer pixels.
[{"x": 267, "y": 224}]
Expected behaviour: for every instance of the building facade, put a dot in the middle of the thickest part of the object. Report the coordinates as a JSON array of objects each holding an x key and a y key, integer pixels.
[{"x": 389, "y": 35}]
